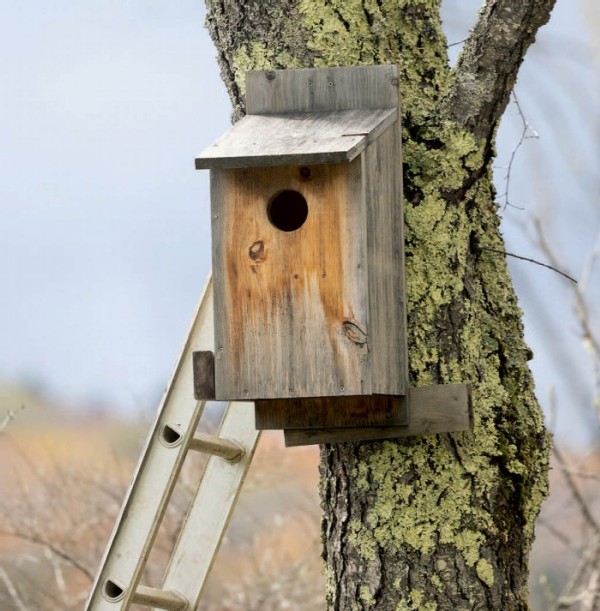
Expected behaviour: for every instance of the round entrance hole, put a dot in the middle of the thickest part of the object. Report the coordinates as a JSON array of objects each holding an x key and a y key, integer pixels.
[{"x": 288, "y": 210}]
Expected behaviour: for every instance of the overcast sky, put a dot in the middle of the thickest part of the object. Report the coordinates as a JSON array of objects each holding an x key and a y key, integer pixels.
[{"x": 104, "y": 226}]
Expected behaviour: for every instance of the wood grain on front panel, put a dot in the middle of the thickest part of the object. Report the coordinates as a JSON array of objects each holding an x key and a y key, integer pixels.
[{"x": 294, "y": 320}]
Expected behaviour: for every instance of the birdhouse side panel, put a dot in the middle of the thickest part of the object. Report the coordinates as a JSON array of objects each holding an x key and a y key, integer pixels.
[
  {"x": 387, "y": 295},
  {"x": 291, "y": 287}
]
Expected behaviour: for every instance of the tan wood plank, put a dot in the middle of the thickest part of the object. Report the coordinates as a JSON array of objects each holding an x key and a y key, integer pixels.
[
  {"x": 314, "y": 90},
  {"x": 296, "y": 138},
  {"x": 433, "y": 410},
  {"x": 327, "y": 412},
  {"x": 294, "y": 304}
]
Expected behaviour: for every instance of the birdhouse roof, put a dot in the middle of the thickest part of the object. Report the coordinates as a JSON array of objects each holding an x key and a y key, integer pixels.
[{"x": 297, "y": 138}]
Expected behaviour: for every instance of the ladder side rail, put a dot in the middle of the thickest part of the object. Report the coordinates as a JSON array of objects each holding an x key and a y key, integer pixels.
[
  {"x": 211, "y": 509},
  {"x": 157, "y": 471}
]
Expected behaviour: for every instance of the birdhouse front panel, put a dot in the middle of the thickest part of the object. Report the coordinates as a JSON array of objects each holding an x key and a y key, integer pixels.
[{"x": 291, "y": 281}]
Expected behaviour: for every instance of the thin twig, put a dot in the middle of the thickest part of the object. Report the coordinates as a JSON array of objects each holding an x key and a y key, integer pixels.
[
  {"x": 591, "y": 592},
  {"x": 59, "y": 577},
  {"x": 510, "y": 254},
  {"x": 580, "y": 305},
  {"x": 588, "y": 266},
  {"x": 557, "y": 533},
  {"x": 460, "y": 42},
  {"x": 36, "y": 539},
  {"x": 589, "y": 557},
  {"x": 12, "y": 590},
  {"x": 527, "y": 133},
  {"x": 583, "y": 505},
  {"x": 583, "y": 474},
  {"x": 41, "y": 592},
  {"x": 8, "y": 417}
]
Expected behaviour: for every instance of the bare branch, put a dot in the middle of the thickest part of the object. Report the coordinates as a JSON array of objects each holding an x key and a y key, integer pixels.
[
  {"x": 586, "y": 512},
  {"x": 459, "y": 42},
  {"x": 510, "y": 254},
  {"x": 558, "y": 534},
  {"x": 487, "y": 68},
  {"x": 12, "y": 590},
  {"x": 589, "y": 558},
  {"x": 8, "y": 417},
  {"x": 527, "y": 132},
  {"x": 59, "y": 577},
  {"x": 589, "y": 263},
  {"x": 34, "y": 538},
  {"x": 590, "y": 340},
  {"x": 582, "y": 474}
]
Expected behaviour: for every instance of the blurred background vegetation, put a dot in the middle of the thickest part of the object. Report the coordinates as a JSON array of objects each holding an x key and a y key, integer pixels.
[{"x": 86, "y": 348}]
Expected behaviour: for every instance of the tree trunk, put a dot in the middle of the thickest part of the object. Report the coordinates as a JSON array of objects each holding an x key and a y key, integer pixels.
[{"x": 446, "y": 521}]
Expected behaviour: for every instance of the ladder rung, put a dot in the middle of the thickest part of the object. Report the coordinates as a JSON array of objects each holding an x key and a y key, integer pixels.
[
  {"x": 152, "y": 597},
  {"x": 225, "y": 448}
]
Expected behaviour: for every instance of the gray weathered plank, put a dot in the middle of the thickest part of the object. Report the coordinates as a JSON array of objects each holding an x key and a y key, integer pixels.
[
  {"x": 326, "y": 412},
  {"x": 314, "y": 90},
  {"x": 297, "y": 138},
  {"x": 382, "y": 170},
  {"x": 433, "y": 409},
  {"x": 204, "y": 375}
]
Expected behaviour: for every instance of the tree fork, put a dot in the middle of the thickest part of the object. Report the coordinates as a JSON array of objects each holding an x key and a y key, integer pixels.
[{"x": 447, "y": 521}]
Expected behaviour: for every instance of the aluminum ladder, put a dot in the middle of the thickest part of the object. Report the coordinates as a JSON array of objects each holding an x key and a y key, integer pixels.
[{"x": 173, "y": 434}]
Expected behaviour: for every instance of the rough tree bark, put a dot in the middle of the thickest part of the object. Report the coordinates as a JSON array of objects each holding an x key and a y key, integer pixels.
[{"x": 438, "y": 522}]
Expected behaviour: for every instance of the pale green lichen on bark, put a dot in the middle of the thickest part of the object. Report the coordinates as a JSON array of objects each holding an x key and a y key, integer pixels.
[
  {"x": 257, "y": 57},
  {"x": 329, "y": 575},
  {"x": 414, "y": 602},
  {"x": 434, "y": 504},
  {"x": 485, "y": 571},
  {"x": 343, "y": 20},
  {"x": 366, "y": 596}
]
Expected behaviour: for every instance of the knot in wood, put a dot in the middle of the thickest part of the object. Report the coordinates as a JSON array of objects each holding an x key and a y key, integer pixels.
[
  {"x": 257, "y": 251},
  {"x": 354, "y": 332}
]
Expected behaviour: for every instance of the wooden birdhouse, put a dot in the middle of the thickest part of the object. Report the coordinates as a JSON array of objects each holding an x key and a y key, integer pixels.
[{"x": 308, "y": 252}]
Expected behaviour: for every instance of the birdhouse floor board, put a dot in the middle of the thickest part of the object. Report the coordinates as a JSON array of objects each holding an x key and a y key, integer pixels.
[
  {"x": 325, "y": 412},
  {"x": 297, "y": 138},
  {"x": 433, "y": 409}
]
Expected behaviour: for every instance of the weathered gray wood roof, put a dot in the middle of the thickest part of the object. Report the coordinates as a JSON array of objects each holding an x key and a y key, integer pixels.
[{"x": 297, "y": 138}]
